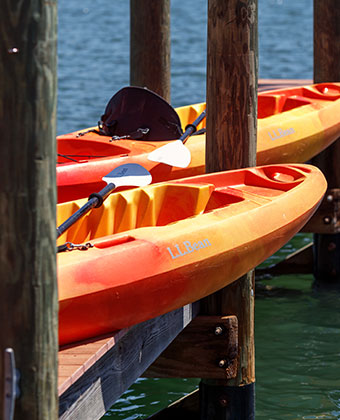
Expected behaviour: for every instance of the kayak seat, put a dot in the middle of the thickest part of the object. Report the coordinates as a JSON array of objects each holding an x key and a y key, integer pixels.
[{"x": 140, "y": 114}]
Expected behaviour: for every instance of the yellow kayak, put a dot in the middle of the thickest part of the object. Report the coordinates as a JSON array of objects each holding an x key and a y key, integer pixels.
[{"x": 294, "y": 124}]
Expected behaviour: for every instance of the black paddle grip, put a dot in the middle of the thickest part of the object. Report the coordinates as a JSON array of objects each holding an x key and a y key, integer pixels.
[
  {"x": 100, "y": 199},
  {"x": 102, "y": 194},
  {"x": 192, "y": 128}
]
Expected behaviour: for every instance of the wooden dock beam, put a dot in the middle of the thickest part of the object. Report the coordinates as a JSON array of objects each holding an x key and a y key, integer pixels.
[
  {"x": 232, "y": 64},
  {"x": 327, "y": 69},
  {"x": 94, "y": 374},
  {"x": 28, "y": 288},
  {"x": 150, "y": 45}
]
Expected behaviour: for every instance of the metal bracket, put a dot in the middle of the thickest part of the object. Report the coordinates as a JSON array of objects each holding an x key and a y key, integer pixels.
[
  {"x": 327, "y": 218},
  {"x": 11, "y": 384}
]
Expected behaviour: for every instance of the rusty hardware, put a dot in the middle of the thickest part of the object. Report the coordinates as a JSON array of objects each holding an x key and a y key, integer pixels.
[
  {"x": 218, "y": 330},
  {"x": 326, "y": 220},
  {"x": 222, "y": 363}
]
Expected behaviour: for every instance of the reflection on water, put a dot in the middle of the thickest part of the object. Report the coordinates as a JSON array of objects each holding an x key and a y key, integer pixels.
[{"x": 297, "y": 352}]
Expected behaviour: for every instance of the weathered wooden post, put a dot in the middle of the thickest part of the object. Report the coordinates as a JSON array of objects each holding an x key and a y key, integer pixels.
[
  {"x": 327, "y": 69},
  {"x": 231, "y": 143},
  {"x": 28, "y": 289},
  {"x": 150, "y": 45}
]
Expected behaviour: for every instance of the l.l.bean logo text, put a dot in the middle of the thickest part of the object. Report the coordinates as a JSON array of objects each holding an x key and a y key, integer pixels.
[
  {"x": 278, "y": 133},
  {"x": 187, "y": 247}
]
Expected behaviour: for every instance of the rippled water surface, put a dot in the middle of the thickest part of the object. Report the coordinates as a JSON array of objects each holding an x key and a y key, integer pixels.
[{"x": 297, "y": 331}]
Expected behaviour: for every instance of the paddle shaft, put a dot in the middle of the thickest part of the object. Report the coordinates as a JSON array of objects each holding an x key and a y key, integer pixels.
[
  {"x": 191, "y": 128},
  {"x": 95, "y": 200}
]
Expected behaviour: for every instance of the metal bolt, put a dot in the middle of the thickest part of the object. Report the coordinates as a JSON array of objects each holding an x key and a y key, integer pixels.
[
  {"x": 327, "y": 220},
  {"x": 329, "y": 198},
  {"x": 218, "y": 330},
  {"x": 222, "y": 363},
  {"x": 222, "y": 399}
]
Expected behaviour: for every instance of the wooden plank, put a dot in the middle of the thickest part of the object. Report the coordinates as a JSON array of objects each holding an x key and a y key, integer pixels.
[
  {"x": 150, "y": 45},
  {"x": 206, "y": 348},
  {"x": 75, "y": 360},
  {"x": 28, "y": 287},
  {"x": 119, "y": 361}
]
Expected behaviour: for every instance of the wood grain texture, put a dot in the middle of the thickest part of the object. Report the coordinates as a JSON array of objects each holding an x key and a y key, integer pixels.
[
  {"x": 198, "y": 350},
  {"x": 327, "y": 69},
  {"x": 75, "y": 360},
  {"x": 238, "y": 299},
  {"x": 232, "y": 71},
  {"x": 98, "y": 383},
  {"x": 150, "y": 45},
  {"x": 28, "y": 309},
  {"x": 326, "y": 41},
  {"x": 231, "y": 85}
]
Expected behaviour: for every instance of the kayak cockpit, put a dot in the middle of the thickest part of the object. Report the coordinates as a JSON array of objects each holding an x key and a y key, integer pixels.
[
  {"x": 71, "y": 150},
  {"x": 278, "y": 101},
  {"x": 166, "y": 203}
]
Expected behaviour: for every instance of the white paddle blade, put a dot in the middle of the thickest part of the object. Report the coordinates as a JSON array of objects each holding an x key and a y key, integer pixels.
[
  {"x": 173, "y": 154},
  {"x": 130, "y": 174}
]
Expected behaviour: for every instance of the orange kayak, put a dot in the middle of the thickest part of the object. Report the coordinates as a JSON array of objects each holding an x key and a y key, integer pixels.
[
  {"x": 294, "y": 125},
  {"x": 156, "y": 248}
]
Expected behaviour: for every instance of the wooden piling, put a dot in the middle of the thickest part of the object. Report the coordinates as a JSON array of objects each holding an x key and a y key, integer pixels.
[
  {"x": 28, "y": 289},
  {"x": 327, "y": 69},
  {"x": 231, "y": 143},
  {"x": 150, "y": 45}
]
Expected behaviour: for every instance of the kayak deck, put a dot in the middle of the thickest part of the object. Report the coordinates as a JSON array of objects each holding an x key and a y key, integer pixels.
[
  {"x": 165, "y": 203},
  {"x": 154, "y": 249},
  {"x": 294, "y": 125},
  {"x": 80, "y": 148}
]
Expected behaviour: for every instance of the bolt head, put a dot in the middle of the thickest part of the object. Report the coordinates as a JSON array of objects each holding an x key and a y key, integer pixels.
[
  {"x": 222, "y": 363},
  {"x": 329, "y": 198},
  {"x": 222, "y": 399},
  {"x": 218, "y": 330}
]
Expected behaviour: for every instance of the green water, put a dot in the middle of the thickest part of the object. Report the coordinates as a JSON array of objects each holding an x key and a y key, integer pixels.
[
  {"x": 297, "y": 335},
  {"x": 297, "y": 351}
]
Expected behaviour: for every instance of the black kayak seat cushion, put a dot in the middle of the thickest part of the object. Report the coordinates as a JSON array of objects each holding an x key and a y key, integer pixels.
[{"x": 134, "y": 109}]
